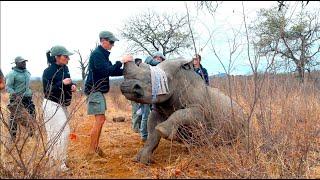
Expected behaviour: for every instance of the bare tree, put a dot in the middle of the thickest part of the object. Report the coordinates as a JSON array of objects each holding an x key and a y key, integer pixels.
[
  {"x": 210, "y": 6},
  {"x": 84, "y": 62},
  {"x": 282, "y": 4},
  {"x": 83, "y": 65},
  {"x": 151, "y": 31},
  {"x": 299, "y": 37}
]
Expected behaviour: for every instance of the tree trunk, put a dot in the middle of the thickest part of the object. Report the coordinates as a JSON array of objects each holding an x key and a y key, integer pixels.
[
  {"x": 300, "y": 73},
  {"x": 83, "y": 74}
]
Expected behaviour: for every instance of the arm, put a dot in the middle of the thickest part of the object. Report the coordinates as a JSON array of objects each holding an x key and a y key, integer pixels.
[
  {"x": 73, "y": 86},
  {"x": 67, "y": 75},
  {"x": 106, "y": 68},
  {"x": 48, "y": 84},
  {"x": 9, "y": 83},
  {"x": 206, "y": 77},
  {"x": 115, "y": 69}
]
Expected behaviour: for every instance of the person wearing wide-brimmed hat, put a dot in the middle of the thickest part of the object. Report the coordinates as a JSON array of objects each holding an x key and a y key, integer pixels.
[
  {"x": 18, "y": 87},
  {"x": 57, "y": 88}
]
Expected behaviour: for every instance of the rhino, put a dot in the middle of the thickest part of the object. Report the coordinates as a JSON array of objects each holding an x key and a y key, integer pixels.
[{"x": 189, "y": 102}]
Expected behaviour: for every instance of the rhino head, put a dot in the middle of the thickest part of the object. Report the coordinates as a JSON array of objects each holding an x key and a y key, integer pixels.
[{"x": 137, "y": 81}]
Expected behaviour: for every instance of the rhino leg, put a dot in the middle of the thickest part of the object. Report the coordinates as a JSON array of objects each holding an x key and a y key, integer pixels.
[
  {"x": 168, "y": 129},
  {"x": 144, "y": 156}
]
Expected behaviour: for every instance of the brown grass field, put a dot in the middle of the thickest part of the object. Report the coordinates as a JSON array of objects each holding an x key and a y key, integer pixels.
[{"x": 286, "y": 115}]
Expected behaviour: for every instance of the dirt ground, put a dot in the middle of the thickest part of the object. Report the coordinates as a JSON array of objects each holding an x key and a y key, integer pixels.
[{"x": 121, "y": 144}]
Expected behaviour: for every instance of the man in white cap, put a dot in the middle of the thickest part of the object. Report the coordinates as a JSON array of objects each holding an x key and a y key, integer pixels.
[{"x": 18, "y": 86}]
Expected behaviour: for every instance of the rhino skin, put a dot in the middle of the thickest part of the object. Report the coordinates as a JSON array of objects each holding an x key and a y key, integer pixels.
[{"x": 189, "y": 102}]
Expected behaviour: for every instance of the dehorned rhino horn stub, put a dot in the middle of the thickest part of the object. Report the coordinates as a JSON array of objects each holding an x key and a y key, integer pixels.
[{"x": 130, "y": 68}]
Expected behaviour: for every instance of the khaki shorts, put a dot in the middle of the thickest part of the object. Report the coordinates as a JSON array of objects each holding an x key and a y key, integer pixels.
[{"x": 96, "y": 103}]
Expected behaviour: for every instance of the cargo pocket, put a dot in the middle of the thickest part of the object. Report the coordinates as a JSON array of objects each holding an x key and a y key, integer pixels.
[{"x": 95, "y": 104}]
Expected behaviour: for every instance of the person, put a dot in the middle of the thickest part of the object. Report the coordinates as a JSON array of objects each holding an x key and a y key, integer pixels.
[
  {"x": 2, "y": 81},
  {"x": 97, "y": 84},
  {"x": 136, "y": 117},
  {"x": 144, "y": 114},
  {"x": 153, "y": 60},
  {"x": 57, "y": 89},
  {"x": 18, "y": 87},
  {"x": 199, "y": 69}
]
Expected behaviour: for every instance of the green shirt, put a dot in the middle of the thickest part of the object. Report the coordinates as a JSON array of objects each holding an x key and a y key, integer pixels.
[{"x": 18, "y": 82}]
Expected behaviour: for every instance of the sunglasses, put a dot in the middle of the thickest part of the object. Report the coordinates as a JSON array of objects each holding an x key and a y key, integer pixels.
[
  {"x": 111, "y": 42},
  {"x": 66, "y": 56}
]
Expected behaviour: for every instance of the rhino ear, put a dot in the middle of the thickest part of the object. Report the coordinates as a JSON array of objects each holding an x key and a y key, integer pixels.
[
  {"x": 188, "y": 65},
  {"x": 172, "y": 66}
]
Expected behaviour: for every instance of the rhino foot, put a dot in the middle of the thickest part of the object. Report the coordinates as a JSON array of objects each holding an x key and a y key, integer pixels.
[{"x": 143, "y": 157}]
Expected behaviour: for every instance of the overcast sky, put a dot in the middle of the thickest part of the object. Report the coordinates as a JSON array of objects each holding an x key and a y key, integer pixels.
[{"x": 29, "y": 29}]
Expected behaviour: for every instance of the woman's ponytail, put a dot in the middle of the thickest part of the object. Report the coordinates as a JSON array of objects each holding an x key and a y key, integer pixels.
[{"x": 50, "y": 59}]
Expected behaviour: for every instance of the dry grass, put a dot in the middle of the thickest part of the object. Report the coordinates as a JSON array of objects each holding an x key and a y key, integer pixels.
[{"x": 285, "y": 145}]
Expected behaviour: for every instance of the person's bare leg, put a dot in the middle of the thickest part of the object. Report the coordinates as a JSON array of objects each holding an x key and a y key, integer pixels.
[{"x": 96, "y": 131}]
